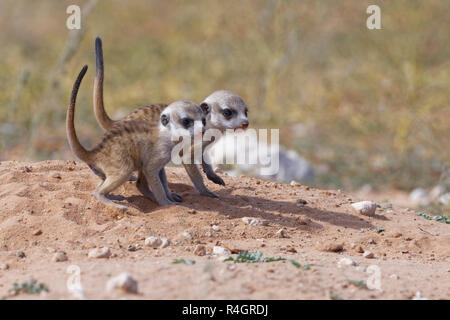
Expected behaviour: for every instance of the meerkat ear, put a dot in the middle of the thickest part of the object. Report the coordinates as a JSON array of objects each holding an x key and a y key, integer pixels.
[
  {"x": 205, "y": 107},
  {"x": 165, "y": 119}
]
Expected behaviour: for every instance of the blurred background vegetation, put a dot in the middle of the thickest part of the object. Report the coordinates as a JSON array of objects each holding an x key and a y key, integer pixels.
[{"x": 364, "y": 106}]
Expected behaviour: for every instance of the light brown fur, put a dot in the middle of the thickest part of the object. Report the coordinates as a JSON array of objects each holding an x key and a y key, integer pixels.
[
  {"x": 128, "y": 146},
  {"x": 213, "y": 106}
]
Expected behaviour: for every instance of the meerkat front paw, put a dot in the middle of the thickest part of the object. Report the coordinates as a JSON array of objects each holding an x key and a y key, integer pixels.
[
  {"x": 215, "y": 178},
  {"x": 176, "y": 197}
]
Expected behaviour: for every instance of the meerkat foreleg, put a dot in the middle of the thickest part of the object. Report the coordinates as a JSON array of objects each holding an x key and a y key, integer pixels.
[
  {"x": 142, "y": 186},
  {"x": 111, "y": 183},
  {"x": 210, "y": 174},
  {"x": 197, "y": 180},
  {"x": 171, "y": 195},
  {"x": 156, "y": 187}
]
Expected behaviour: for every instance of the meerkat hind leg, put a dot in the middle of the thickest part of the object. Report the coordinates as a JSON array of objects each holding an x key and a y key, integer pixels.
[{"x": 110, "y": 184}]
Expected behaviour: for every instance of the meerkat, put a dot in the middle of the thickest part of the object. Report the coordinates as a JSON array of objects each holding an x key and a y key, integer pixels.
[
  {"x": 224, "y": 110},
  {"x": 135, "y": 145}
]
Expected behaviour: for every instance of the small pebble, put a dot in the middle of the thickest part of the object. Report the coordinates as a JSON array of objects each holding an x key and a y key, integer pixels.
[
  {"x": 60, "y": 257},
  {"x": 215, "y": 228},
  {"x": 124, "y": 282},
  {"x": 37, "y": 232},
  {"x": 281, "y": 233},
  {"x": 368, "y": 254},
  {"x": 153, "y": 242},
  {"x": 366, "y": 208},
  {"x": 20, "y": 254},
  {"x": 99, "y": 253},
  {"x": 200, "y": 250},
  {"x": 346, "y": 262},
  {"x": 220, "y": 251},
  {"x": 4, "y": 266}
]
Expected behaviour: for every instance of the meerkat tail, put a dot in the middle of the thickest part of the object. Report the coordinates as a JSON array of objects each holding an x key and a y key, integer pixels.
[
  {"x": 74, "y": 143},
  {"x": 99, "y": 109}
]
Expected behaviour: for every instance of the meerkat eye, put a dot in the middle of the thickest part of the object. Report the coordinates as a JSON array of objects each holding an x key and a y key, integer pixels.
[
  {"x": 227, "y": 113},
  {"x": 246, "y": 112},
  {"x": 186, "y": 122}
]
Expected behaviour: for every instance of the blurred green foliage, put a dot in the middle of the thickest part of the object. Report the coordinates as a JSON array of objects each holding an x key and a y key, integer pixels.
[{"x": 364, "y": 106}]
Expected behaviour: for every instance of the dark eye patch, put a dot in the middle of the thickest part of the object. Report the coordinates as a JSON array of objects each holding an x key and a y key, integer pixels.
[
  {"x": 186, "y": 122},
  {"x": 227, "y": 113}
]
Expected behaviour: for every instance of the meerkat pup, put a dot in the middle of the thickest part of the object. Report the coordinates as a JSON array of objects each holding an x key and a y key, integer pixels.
[
  {"x": 136, "y": 145},
  {"x": 224, "y": 110}
]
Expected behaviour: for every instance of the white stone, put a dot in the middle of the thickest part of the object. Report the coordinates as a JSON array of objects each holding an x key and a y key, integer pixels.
[
  {"x": 99, "y": 253},
  {"x": 346, "y": 262},
  {"x": 215, "y": 228},
  {"x": 164, "y": 243},
  {"x": 445, "y": 199},
  {"x": 220, "y": 251},
  {"x": 187, "y": 235},
  {"x": 59, "y": 257},
  {"x": 124, "y": 282},
  {"x": 366, "y": 208},
  {"x": 368, "y": 254},
  {"x": 418, "y": 296},
  {"x": 436, "y": 192},
  {"x": 254, "y": 222},
  {"x": 153, "y": 242},
  {"x": 419, "y": 197},
  {"x": 281, "y": 233}
]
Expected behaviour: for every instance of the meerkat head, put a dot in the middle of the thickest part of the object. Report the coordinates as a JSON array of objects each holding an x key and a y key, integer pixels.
[
  {"x": 183, "y": 118},
  {"x": 226, "y": 110}
]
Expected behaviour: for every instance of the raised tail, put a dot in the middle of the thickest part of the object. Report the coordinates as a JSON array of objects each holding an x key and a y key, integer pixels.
[
  {"x": 99, "y": 109},
  {"x": 75, "y": 145}
]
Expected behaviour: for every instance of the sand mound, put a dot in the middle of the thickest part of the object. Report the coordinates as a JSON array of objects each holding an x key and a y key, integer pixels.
[{"x": 47, "y": 207}]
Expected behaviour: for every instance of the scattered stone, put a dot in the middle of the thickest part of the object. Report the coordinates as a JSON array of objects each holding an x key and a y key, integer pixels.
[
  {"x": 200, "y": 250},
  {"x": 291, "y": 250},
  {"x": 60, "y": 257},
  {"x": 131, "y": 247},
  {"x": 20, "y": 254},
  {"x": 215, "y": 228},
  {"x": 419, "y": 197},
  {"x": 56, "y": 175},
  {"x": 346, "y": 262},
  {"x": 99, "y": 253},
  {"x": 358, "y": 249},
  {"x": 330, "y": 247},
  {"x": 187, "y": 235},
  {"x": 153, "y": 242},
  {"x": 37, "y": 232},
  {"x": 301, "y": 202},
  {"x": 281, "y": 233},
  {"x": 368, "y": 255},
  {"x": 361, "y": 268},
  {"x": 445, "y": 199},
  {"x": 396, "y": 235},
  {"x": 418, "y": 296},
  {"x": 394, "y": 276},
  {"x": 253, "y": 221},
  {"x": 4, "y": 266},
  {"x": 124, "y": 282},
  {"x": 294, "y": 183},
  {"x": 220, "y": 251},
  {"x": 164, "y": 243},
  {"x": 192, "y": 211},
  {"x": 366, "y": 208}
]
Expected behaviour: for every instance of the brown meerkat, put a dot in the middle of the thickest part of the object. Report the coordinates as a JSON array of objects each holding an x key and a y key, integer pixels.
[
  {"x": 224, "y": 110},
  {"x": 136, "y": 145}
]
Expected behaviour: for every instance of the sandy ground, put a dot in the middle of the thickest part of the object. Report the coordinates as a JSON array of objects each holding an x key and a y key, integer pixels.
[{"x": 46, "y": 207}]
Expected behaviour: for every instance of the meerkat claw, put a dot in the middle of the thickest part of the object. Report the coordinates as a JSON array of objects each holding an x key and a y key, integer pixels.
[
  {"x": 176, "y": 197},
  {"x": 216, "y": 179}
]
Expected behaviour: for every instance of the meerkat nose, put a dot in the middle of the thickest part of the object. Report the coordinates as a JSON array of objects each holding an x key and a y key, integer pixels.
[{"x": 245, "y": 124}]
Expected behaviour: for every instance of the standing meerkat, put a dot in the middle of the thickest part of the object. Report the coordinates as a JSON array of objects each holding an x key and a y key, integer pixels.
[
  {"x": 224, "y": 110},
  {"x": 136, "y": 145}
]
